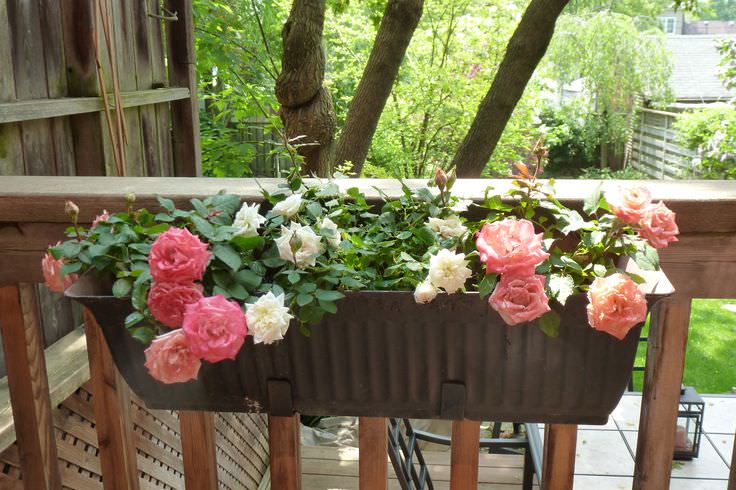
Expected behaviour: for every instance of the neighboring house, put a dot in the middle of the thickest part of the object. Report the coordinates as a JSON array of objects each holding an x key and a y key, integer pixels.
[
  {"x": 675, "y": 24},
  {"x": 695, "y": 62}
]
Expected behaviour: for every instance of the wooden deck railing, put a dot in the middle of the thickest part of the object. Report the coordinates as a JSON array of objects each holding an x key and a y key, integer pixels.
[{"x": 701, "y": 265}]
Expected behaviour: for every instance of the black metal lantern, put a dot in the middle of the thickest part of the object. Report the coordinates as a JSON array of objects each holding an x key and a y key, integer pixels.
[{"x": 689, "y": 424}]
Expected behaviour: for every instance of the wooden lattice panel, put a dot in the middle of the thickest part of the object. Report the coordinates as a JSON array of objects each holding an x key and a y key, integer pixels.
[{"x": 242, "y": 448}]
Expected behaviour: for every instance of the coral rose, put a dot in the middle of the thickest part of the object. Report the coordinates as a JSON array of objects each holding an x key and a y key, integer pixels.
[
  {"x": 616, "y": 304},
  {"x": 215, "y": 328},
  {"x": 520, "y": 299},
  {"x": 178, "y": 256},
  {"x": 51, "y": 269},
  {"x": 169, "y": 359},
  {"x": 629, "y": 204},
  {"x": 658, "y": 226},
  {"x": 168, "y": 301},
  {"x": 510, "y": 246},
  {"x": 100, "y": 218}
]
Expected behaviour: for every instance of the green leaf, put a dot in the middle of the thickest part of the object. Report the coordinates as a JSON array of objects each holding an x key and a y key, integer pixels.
[
  {"x": 328, "y": 306},
  {"x": 404, "y": 235},
  {"x": 314, "y": 209},
  {"x": 304, "y": 299},
  {"x": 248, "y": 278},
  {"x": 71, "y": 248},
  {"x": 324, "y": 295},
  {"x": 426, "y": 235},
  {"x": 351, "y": 282},
  {"x": 273, "y": 262},
  {"x": 600, "y": 270},
  {"x": 237, "y": 291},
  {"x": 486, "y": 285},
  {"x": 228, "y": 255},
  {"x": 143, "y": 335},
  {"x": 70, "y": 268},
  {"x": 592, "y": 202},
  {"x": 549, "y": 323},
  {"x": 646, "y": 257},
  {"x": 144, "y": 248},
  {"x": 293, "y": 277},
  {"x": 140, "y": 293},
  {"x": 203, "y": 226},
  {"x": 562, "y": 287},
  {"x": 133, "y": 319},
  {"x": 166, "y": 203},
  {"x": 245, "y": 243},
  {"x": 199, "y": 207},
  {"x": 122, "y": 287}
]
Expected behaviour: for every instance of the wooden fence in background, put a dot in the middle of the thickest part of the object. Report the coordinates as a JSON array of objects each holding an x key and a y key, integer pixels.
[{"x": 654, "y": 149}]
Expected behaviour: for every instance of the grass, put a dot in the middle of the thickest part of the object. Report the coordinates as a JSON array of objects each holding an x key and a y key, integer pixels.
[{"x": 710, "y": 364}]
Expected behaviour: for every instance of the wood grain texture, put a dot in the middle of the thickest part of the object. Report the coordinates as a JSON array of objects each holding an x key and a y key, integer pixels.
[
  {"x": 198, "y": 450},
  {"x": 558, "y": 468},
  {"x": 11, "y": 150},
  {"x": 464, "y": 455},
  {"x": 284, "y": 443},
  {"x": 112, "y": 412},
  {"x": 182, "y": 73},
  {"x": 28, "y": 386},
  {"x": 662, "y": 377},
  {"x": 373, "y": 441},
  {"x": 732, "y": 477}
]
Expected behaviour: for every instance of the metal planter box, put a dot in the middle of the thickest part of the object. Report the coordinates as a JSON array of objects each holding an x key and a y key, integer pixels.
[{"x": 384, "y": 355}]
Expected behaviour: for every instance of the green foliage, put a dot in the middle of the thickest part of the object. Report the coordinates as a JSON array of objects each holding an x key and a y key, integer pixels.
[
  {"x": 727, "y": 48},
  {"x": 573, "y": 140},
  {"x": 712, "y": 134},
  {"x": 597, "y": 173}
]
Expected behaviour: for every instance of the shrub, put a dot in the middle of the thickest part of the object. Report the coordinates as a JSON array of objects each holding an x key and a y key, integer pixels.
[{"x": 712, "y": 134}]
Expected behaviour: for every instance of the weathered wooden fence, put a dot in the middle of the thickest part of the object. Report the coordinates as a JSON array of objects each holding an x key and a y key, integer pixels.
[
  {"x": 701, "y": 265},
  {"x": 654, "y": 149}
]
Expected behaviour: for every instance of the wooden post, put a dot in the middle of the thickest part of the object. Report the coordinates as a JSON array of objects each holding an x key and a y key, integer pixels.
[
  {"x": 111, "y": 400},
  {"x": 284, "y": 444},
  {"x": 558, "y": 468},
  {"x": 732, "y": 478},
  {"x": 659, "y": 403},
  {"x": 464, "y": 455},
  {"x": 198, "y": 450},
  {"x": 373, "y": 441},
  {"x": 29, "y": 387},
  {"x": 183, "y": 73}
]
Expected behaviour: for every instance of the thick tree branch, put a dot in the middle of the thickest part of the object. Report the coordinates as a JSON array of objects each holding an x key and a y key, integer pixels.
[
  {"x": 525, "y": 49},
  {"x": 397, "y": 27}
]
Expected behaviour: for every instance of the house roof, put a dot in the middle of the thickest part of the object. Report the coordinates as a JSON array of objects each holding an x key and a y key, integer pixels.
[{"x": 695, "y": 68}]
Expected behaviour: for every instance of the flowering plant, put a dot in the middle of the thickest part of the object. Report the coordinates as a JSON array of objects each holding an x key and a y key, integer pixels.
[{"x": 201, "y": 280}]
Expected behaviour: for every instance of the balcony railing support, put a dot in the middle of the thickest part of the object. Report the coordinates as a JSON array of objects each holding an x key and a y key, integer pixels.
[
  {"x": 198, "y": 448},
  {"x": 732, "y": 478},
  {"x": 558, "y": 467},
  {"x": 284, "y": 442},
  {"x": 661, "y": 395},
  {"x": 373, "y": 441},
  {"x": 464, "y": 455}
]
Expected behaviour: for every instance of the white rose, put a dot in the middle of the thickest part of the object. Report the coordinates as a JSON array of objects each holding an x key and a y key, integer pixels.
[
  {"x": 448, "y": 270},
  {"x": 333, "y": 237},
  {"x": 447, "y": 228},
  {"x": 268, "y": 319},
  {"x": 289, "y": 206},
  {"x": 299, "y": 245},
  {"x": 247, "y": 220},
  {"x": 425, "y": 292}
]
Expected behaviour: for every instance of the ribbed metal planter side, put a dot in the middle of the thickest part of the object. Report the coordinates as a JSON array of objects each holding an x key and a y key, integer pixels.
[{"x": 384, "y": 355}]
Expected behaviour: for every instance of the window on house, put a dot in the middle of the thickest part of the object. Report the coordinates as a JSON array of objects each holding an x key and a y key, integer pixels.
[{"x": 668, "y": 24}]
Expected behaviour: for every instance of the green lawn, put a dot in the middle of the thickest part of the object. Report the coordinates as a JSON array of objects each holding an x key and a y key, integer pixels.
[{"x": 710, "y": 365}]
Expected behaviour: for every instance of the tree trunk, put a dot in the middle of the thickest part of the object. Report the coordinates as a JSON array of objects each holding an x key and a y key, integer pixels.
[
  {"x": 306, "y": 106},
  {"x": 523, "y": 53},
  {"x": 397, "y": 27}
]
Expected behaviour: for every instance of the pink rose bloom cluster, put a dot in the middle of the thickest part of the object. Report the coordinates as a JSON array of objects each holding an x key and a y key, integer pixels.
[
  {"x": 616, "y": 304},
  {"x": 655, "y": 222},
  {"x": 212, "y": 328},
  {"x": 512, "y": 248},
  {"x": 51, "y": 269}
]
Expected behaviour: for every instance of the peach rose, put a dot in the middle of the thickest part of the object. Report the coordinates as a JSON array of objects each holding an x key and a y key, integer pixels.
[
  {"x": 100, "y": 218},
  {"x": 616, "y": 305},
  {"x": 168, "y": 300},
  {"x": 51, "y": 269},
  {"x": 629, "y": 204},
  {"x": 215, "y": 328},
  {"x": 169, "y": 359},
  {"x": 178, "y": 256},
  {"x": 658, "y": 226},
  {"x": 520, "y": 299},
  {"x": 510, "y": 246}
]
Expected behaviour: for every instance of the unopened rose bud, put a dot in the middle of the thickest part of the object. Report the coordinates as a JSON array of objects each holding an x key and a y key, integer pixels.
[
  {"x": 71, "y": 210},
  {"x": 295, "y": 243},
  {"x": 440, "y": 178},
  {"x": 451, "y": 179},
  {"x": 129, "y": 201}
]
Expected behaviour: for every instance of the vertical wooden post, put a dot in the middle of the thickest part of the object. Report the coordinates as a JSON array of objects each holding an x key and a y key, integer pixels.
[
  {"x": 373, "y": 442},
  {"x": 29, "y": 387},
  {"x": 284, "y": 444},
  {"x": 659, "y": 403},
  {"x": 464, "y": 455},
  {"x": 558, "y": 470},
  {"x": 111, "y": 400},
  {"x": 198, "y": 450},
  {"x": 732, "y": 478},
  {"x": 183, "y": 73}
]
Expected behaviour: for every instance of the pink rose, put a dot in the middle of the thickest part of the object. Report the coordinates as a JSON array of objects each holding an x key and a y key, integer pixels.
[
  {"x": 658, "y": 226},
  {"x": 215, "y": 328},
  {"x": 510, "y": 246},
  {"x": 51, "y": 268},
  {"x": 169, "y": 359},
  {"x": 520, "y": 299},
  {"x": 616, "y": 305},
  {"x": 178, "y": 256},
  {"x": 629, "y": 204},
  {"x": 168, "y": 300},
  {"x": 100, "y": 218}
]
